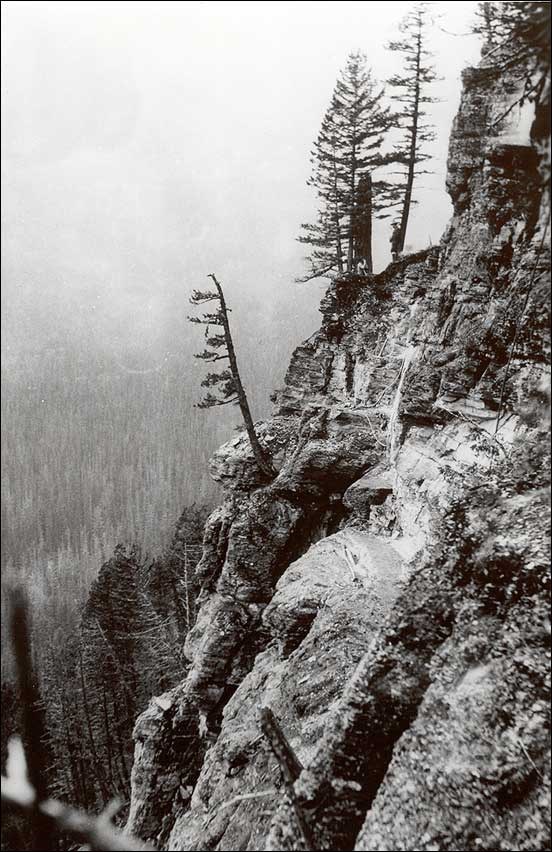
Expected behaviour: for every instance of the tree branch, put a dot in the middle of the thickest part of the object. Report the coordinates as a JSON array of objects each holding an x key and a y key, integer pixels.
[
  {"x": 211, "y": 401},
  {"x": 290, "y": 767},
  {"x": 24, "y": 785},
  {"x": 98, "y": 832}
]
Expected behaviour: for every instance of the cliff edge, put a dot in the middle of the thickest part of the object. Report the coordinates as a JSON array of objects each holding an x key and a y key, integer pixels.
[{"x": 387, "y": 594}]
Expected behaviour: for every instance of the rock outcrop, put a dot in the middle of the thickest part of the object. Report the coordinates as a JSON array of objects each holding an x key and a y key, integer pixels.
[{"x": 386, "y": 594}]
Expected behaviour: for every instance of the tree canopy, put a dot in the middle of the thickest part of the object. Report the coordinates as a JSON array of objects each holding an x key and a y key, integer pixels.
[{"x": 347, "y": 151}]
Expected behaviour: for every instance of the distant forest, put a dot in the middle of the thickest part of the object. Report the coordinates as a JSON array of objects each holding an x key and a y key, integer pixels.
[
  {"x": 105, "y": 482},
  {"x": 99, "y": 449},
  {"x": 105, "y": 491}
]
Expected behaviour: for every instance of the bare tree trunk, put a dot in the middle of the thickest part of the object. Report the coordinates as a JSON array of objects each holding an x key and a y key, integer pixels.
[
  {"x": 339, "y": 245},
  {"x": 82, "y": 774},
  {"x": 109, "y": 749},
  {"x": 352, "y": 214},
  {"x": 261, "y": 457},
  {"x": 97, "y": 765},
  {"x": 33, "y": 720},
  {"x": 368, "y": 245},
  {"x": 412, "y": 153},
  {"x": 123, "y": 768},
  {"x": 74, "y": 752},
  {"x": 363, "y": 237}
]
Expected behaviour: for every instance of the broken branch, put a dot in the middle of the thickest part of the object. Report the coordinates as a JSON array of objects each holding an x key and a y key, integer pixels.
[{"x": 290, "y": 767}]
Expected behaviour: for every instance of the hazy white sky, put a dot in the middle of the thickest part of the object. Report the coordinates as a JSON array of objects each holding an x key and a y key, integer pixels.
[{"x": 146, "y": 144}]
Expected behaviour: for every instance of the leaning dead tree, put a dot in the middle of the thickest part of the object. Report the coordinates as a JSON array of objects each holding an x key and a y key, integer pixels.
[
  {"x": 220, "y": 347},
  {"x": 24, "y": 785}
]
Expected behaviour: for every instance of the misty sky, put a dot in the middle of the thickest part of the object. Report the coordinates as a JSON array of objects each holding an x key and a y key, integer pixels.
[{"x": 147, "y": 144}]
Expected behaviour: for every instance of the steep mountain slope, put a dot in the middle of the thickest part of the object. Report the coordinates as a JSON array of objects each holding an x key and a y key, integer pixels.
[{"x": 386, "y": 594}]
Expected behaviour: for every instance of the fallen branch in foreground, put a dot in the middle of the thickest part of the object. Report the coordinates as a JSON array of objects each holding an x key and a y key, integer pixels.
[
  {"x": 98, "y": 832},
  {"x": 24, "y": 786}
]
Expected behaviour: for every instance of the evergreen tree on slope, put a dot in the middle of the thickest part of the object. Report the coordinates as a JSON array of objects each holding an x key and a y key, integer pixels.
[
  {"x": 411, "y": 92},
  {"x": 347, "y": 151}
]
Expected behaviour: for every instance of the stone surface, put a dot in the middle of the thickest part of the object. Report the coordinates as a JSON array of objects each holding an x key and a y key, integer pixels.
[
  {"x": 167, "y": 760},
  {"x": 473, "y": 770},
  {"x": 385, "y": 594},
  {"x": 324, "y": 609}
]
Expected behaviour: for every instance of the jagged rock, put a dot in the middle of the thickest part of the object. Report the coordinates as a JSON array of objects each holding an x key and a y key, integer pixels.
[
  {"x": 233, "y": 464},
  {"x": 307, "y": 375},
  {"x": 470, "y": 771},
  {"x": 442, "y": 711},
  {"x": 408, "y": 447},
  {"x": 248, "y": 544},
  {"x": 167, "y": 759},
  {"x": 371, "y": 489},
  {"x": 329, "y": 464},
  {"x": 324, "y": 609},
  {"x": 215, "y": 543}
]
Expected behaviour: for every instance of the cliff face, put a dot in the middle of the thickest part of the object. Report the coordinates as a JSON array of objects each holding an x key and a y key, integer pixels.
[{"x": 386, "y": 594}]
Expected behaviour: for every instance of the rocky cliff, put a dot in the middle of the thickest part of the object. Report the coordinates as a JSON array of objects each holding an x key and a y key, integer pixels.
[{"x": 386, "y": 595}]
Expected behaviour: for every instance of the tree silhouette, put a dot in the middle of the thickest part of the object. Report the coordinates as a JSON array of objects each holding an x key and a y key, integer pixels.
[
  {"x": 326, "y": 236},
  {"x": 25, "y": 787},
  {"x": 344, "y": 156},
  {"x": 220, "y": 347},
  {"x": 127, "y": 652},
  {"x": 411, "y": 84}
]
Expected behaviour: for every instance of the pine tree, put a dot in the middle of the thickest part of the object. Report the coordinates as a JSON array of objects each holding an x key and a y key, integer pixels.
[
  {"x": 327, "y": 235},
  {"x": 95, "y": 680},
  {"x": 362, "y": 123},
  {"x": 126, "y": 655},
  {"x": 344, "y": 156},
  {"x": 412, "y": 85},
  {"x": 172, "y": 584},
  {"x": 220, "y": 347}
]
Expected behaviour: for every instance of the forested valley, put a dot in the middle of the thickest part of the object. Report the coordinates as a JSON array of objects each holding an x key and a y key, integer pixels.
[
  {"x": 100, "y": 448},
  {"x": 106, "y": 485},
  {"x": 105, "y": 490}
]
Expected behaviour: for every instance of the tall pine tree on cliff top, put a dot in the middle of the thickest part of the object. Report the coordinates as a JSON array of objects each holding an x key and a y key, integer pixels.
[
  {"x": 346, "y": 152},
  {"x": 411, "y": 86},
  {"x": 326, "y": 236}
]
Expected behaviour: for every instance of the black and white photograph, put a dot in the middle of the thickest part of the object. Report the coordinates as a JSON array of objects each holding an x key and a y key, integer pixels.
[{"x": 276, "y": 409}]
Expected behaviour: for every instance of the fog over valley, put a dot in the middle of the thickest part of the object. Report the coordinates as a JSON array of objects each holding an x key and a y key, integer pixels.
[{"x": 144, "y": 146}]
